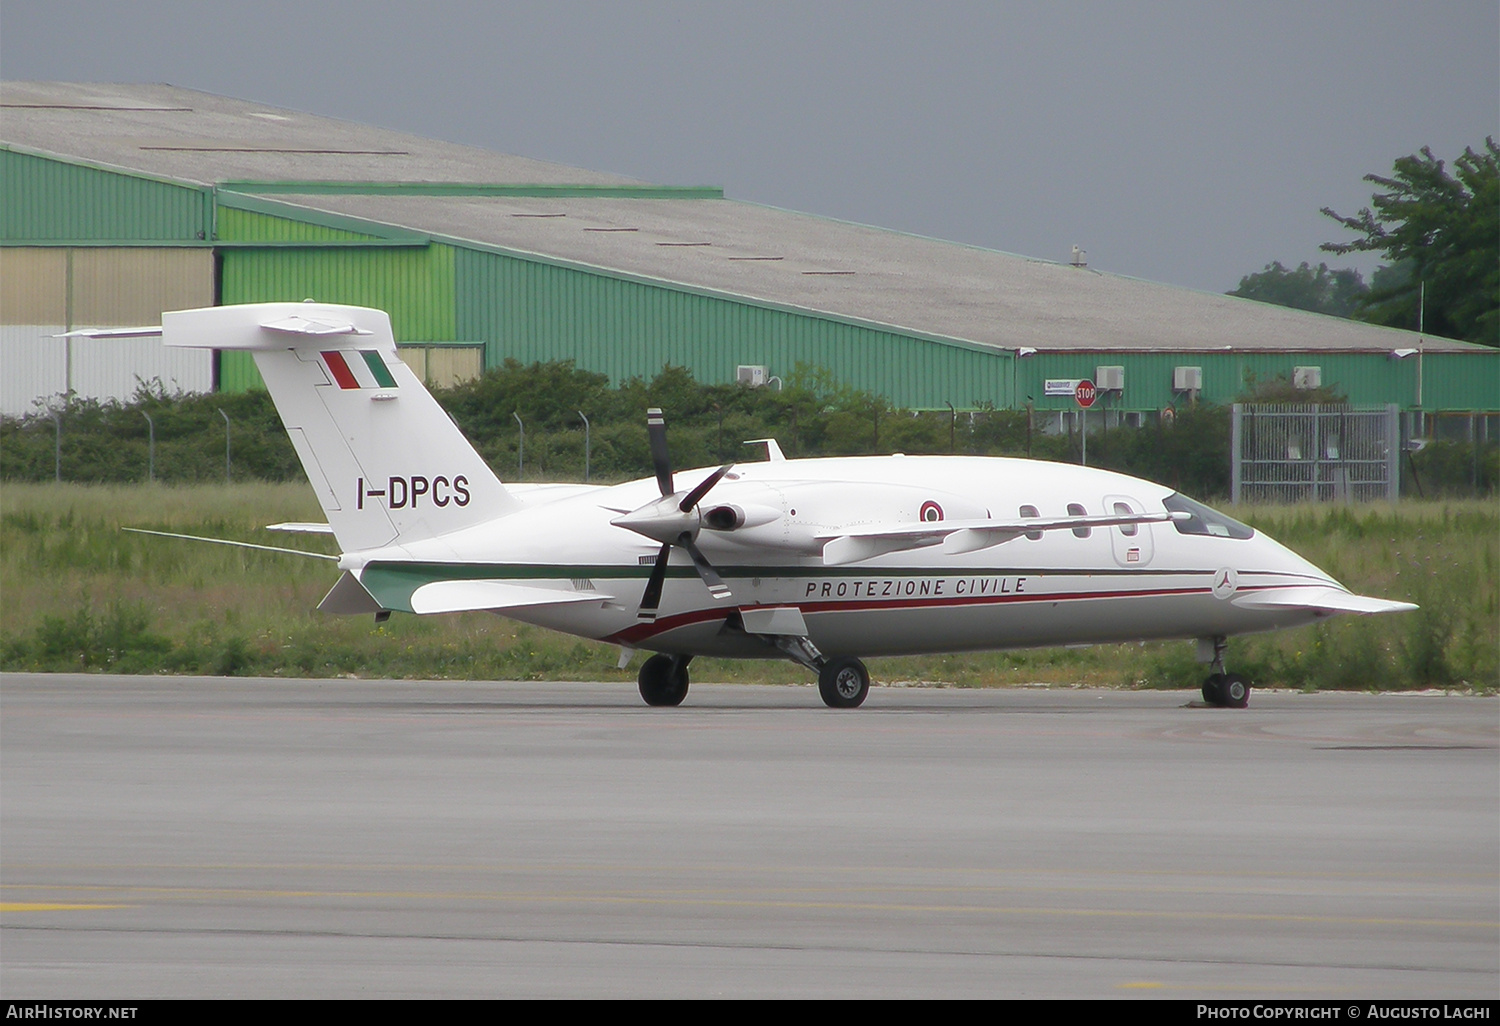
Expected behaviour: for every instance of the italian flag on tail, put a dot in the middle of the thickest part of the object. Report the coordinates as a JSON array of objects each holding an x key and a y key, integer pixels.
[{"x": 361, "y": 368}]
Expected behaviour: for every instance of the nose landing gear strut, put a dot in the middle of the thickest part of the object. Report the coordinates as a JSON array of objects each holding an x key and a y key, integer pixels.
[{"x": 1224, "y": 690}]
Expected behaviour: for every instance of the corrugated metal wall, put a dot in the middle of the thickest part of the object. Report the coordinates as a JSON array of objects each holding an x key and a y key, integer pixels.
[
  {"x": 33, "y": 307},
  {"x": 443, "y": 366},
  {"x": 1455, "y": 381},
  {"x": 1459, "y": 381},
  {"x": 414, "y": 284},
  {"x": 34, "y": 286},
  {"x": 529, "y": 310},
  {"x": 236, "y": 225},
  {"x": 118, "y": 287},
  {"x": 45, "y": 200},
  {"x": 46, "y": 291},
  {"x": 524, "y": 308}
]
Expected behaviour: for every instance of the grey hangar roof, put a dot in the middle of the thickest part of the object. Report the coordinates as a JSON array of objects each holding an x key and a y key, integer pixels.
[{"x": 695, "y": 239}]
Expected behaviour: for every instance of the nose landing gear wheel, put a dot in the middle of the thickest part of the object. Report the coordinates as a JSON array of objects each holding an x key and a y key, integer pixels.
[
  {"x": 843, "y": 683},
  {"x": 1224, "y": 689},
  {"x": 664, "y": 680}
]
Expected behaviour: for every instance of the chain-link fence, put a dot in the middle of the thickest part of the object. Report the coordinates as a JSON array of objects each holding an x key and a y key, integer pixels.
[{"x": 1295, "y": 453}]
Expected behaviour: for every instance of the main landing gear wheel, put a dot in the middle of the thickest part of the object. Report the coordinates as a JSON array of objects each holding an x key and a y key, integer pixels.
[
  {"x": 664, "y": 679},
  {"x": 1227, "y": 690},
  {"x": 843, "y": 683}
]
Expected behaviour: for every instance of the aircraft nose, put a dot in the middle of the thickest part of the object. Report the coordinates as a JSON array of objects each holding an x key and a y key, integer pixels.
[{"x": 1282, "y": 559}]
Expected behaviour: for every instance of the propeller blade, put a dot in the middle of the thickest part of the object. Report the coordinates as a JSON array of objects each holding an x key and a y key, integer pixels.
[
  {"x": 651, "y": 597},
  {"x": 708, "y": 482},
  {"x": 656, "y": 430},
  {"x": 716, "y": 586}
]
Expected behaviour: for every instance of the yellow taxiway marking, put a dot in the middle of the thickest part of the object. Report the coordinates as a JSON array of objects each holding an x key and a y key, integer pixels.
[
  {"x": 1200, "y": 988},
  {"x": 50, "y": 906},
  {"x": 725, "y": 899}
]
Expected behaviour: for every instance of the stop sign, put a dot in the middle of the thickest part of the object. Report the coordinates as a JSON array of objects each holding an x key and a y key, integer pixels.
[{"x": 1085, "y": 393}]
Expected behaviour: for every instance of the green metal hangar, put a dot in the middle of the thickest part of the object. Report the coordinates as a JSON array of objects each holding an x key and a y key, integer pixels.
[{"x": 124, "y": 200}]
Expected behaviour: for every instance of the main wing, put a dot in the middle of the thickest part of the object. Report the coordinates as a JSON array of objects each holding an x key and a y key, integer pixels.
[
  {"x": 957, "y": 536},
  {"x": 350, "y": 595}
]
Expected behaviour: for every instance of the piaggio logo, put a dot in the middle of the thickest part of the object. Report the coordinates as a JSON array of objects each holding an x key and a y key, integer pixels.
[{"x": 1226, "y": 582}]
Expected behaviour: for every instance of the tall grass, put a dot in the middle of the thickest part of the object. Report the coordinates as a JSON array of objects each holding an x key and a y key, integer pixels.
[
  {"x": 77, "y": 593},
  {"x": 1441, "y": 555}
]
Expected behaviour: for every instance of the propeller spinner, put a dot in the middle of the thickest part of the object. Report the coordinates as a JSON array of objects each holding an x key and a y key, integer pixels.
[{"x": 674, "y": 519}]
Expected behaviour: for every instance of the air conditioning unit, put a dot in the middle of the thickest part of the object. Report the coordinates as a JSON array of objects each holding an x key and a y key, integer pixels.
[
  {"x": 752, "y": 375},
  {"x": 1307, "y": 377},
  {"x": 1187, "y": 379},
  {"x": 1109, "y": 379}
]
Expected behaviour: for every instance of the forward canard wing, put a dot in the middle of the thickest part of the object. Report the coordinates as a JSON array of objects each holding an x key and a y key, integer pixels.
[
  {"x": 958, "y": 536},
  {"x": 1322, "y": 598}
]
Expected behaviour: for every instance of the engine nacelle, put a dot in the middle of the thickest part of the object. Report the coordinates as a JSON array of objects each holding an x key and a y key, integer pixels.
[{"x": 733, "y": 516}]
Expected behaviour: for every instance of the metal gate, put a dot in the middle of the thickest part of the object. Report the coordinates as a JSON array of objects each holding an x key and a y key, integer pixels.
[{"x": 1318, "y": 452}]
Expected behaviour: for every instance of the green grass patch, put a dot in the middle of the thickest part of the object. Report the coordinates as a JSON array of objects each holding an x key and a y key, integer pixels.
[{"x": 77, "y": 593}]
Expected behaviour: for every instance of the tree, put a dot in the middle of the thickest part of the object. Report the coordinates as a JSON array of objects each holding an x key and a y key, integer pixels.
[
  {"x": 1446, "y": 228},
  {"x": 1319, "y": 289}
]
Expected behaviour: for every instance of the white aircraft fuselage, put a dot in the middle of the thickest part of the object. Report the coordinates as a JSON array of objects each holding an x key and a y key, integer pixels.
[
  {"x": 1153, "y": 582},
  {"x": 820, "y": 560}
]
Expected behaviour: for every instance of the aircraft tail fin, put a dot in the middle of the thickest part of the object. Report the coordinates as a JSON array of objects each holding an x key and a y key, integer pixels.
[{"x": 387, "y": 463}]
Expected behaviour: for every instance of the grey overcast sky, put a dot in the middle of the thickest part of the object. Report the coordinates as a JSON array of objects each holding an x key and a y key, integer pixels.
[{"x": 1183, "y": 142}]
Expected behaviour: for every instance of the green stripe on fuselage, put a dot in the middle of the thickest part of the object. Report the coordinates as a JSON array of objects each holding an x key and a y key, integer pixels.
[{"x": 392, "y": 584}]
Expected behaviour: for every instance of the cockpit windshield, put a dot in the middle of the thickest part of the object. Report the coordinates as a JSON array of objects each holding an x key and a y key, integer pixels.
[{"x": 1204, "y": 520}]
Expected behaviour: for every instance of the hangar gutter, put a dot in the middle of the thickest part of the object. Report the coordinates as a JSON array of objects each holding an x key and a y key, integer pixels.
[{"x": 542, "y": 190}]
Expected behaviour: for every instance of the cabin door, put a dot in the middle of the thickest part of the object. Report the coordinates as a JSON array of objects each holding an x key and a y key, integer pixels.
[{"x": 1132, "y": 543}]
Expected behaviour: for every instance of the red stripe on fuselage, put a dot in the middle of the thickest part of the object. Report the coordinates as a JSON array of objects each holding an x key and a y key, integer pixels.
[
  {"x": 641, "y": 631},
  {"x": 340, "y": 370}
]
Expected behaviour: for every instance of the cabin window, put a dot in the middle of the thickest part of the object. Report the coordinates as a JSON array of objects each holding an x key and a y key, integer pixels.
[
  {"x": 1076, "y": 509},
  {"x": 1204, "y": 521},
  {"x": 1031, "y": 511},
  {"x": 1128, "y": 530}
]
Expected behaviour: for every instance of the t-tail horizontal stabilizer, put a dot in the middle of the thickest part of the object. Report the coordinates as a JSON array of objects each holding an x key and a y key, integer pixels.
[{"x": 388, "y": 465}]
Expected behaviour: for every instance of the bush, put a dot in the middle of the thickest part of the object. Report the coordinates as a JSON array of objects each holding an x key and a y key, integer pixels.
[{"x": 813, "y": 415}]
